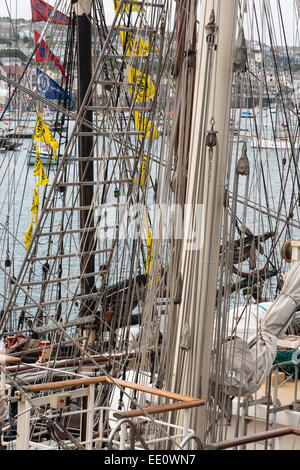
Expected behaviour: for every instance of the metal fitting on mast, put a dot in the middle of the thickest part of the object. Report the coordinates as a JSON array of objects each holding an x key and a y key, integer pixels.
[
  {"x": 211, "y": 138},
  {"x": 211, "y": 28},
  {"x": 82, "y": 7}
]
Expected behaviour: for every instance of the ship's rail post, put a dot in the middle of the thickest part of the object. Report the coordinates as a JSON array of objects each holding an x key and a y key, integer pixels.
[
  {"x": 276, "y": 408},
  {"x": 123, "y": 436},
  {"x": 245, "y": 421},
  {"x": 296, "y": 384},
  {"x": 3, "y": 378},
  {"x": 4, "y": 360},
  {"x": 99, "y": 442},
  {"x": 186, "y": 421},
  {"x": 23, "y": 424},
  {"x": 122, "y": 425},
  {"x": 90, "y": 416}
]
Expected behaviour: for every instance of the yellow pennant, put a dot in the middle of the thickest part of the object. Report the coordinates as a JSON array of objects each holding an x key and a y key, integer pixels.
[
  {"x": 150, "y": 253},
  {"x": 35, "y": 203},
  {"x": 28, "y": 235},
  {"x": 37, "y": 163},
  {"x": 127, "y": 7},
  {"x": 144, "y": 89},
  {"x": 39, "y": 169},
  {"x": 43, "y": 134},
  {"x": 142, "y": 178},
  {"x": 144, "y": 125},
  {"x": 149, "y": 247},
  {"x": 134, "y": 45},
  {"x": 43, "y": 177}
]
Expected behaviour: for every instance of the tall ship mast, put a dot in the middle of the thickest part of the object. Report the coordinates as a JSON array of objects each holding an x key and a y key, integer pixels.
[{"x": 149, "y": 227}]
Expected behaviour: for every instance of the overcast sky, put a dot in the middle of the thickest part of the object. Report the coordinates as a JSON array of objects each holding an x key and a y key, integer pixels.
[{"x": 22, "y": 9}]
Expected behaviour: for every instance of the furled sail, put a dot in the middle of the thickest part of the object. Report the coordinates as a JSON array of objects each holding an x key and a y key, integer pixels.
[{"x": 247, "y": 364}]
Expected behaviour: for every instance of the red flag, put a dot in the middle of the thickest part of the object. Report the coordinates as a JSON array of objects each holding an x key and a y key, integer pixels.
[
  {"x": 41, "y": 12},
  {"x": 43, "y": 53}
]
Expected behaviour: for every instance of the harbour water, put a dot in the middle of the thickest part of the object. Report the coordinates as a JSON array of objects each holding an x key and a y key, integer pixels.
[{"x": 269, "y": 187}]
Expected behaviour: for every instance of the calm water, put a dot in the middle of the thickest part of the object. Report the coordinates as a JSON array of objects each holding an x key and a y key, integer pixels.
[{"x": 17, "y": 185}]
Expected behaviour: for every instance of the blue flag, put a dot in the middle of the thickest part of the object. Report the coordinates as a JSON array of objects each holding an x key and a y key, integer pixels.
[{"x": 51, "y": 90}]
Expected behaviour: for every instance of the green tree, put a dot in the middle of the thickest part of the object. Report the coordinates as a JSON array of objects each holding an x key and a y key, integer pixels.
[{"x": 13, "y": 53}]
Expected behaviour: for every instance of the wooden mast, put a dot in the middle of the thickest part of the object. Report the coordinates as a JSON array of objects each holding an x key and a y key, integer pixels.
[
  {"x": 206, "y": 175},
  {"x": 86, "y": 169}
]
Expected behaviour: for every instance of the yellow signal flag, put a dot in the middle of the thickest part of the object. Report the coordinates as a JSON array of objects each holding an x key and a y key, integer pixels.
[
  {"x": 143, "y": 88},
  {"x": 144, "y": 125},
  {"x": 149, "y": 247},
  {"x": 150, "y": 253},
  {"x": 135, "y": 46},
  {"x": 142, "y": 178},
  {"x": 43, "y": 177},
  {"x": 43, "y": 134},
  {"x": 39, "y": 169},
  {"x": 28, "y": 235},
  {"x": 35, "y": 203},
  {"x": 37, "y": 163},
  {"x": 127, "y": 6}
]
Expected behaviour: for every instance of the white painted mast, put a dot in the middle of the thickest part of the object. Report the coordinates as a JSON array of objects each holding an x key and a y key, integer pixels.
[{"x": 206, "y": 179}]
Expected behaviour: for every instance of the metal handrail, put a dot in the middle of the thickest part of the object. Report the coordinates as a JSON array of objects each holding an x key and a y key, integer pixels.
[
  {"x": 133, "y": 427},
  {"x": 261, "y": 436},
  {"x": 192, "y": 437}
]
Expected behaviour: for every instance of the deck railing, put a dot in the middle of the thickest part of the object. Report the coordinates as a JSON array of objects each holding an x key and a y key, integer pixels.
[
  {"x": 252, "y": 438},
  {"x": 85, "y": 387}
]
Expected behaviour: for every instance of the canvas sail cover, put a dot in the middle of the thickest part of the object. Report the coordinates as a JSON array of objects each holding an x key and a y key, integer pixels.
[{"x": 246, "y": 365}]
